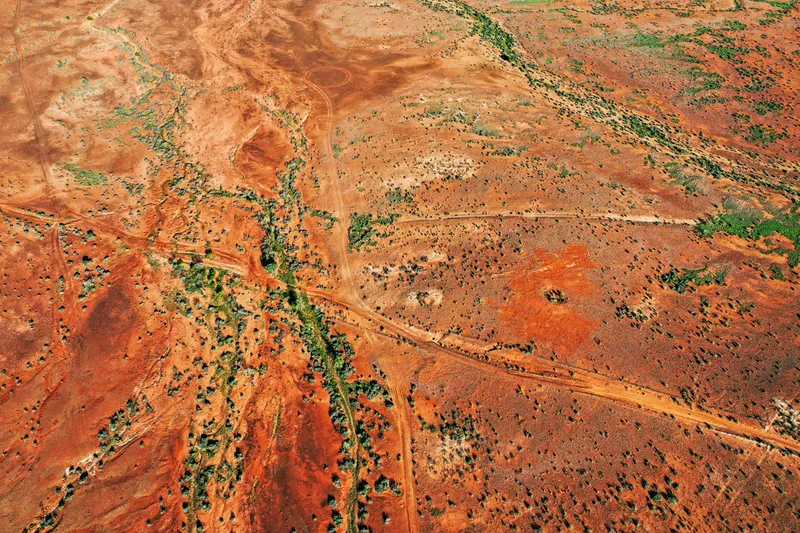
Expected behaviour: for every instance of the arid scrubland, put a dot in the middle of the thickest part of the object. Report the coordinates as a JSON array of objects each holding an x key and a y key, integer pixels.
[{"x": 414, "y": 265}]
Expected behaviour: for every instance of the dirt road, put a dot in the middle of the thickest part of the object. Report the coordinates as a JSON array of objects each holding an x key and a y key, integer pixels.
[
  {"x": 634, "y": 219},
  {"x": 575, "y": 379}
]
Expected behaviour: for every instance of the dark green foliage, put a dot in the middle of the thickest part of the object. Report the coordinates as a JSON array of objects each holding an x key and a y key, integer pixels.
[
  {"x": 716, "y": 171},
  {"x": 726, "y": 52},
  {"x": 492, "y": 32},
  {"x": 382, "y": 484},
  {"x": 362, "y": 228},
  {"x": 686, "y": 279},
  {"x": 636, "y": 315},
  {"x": 777, "y": 272},
  {"x": 460, "y": 427},
  {"x": 758, "y": 134},
  {"x": 508, "y": 151},
  {"x": 735, "y": 25},
  {"x": 556, "y": 296},
  {"x": 289, "y": 193},
  {"x": 783, "y": 9},
  {"x": 765, "y": 106},
  {"x": 754, "y": 226},
  {"x": 645, "y": 130},
  {"x": 648, "y": 40},
  {"x": 330, "y": 354},
  {"x": 489, "y": 30},
  {"x": 196, "y": 277},
  {"x": 708, "y": 81},
  {"x": 397, "y": 195},
  {"x": 372, "y": 389},
  {"x": 329, "y": 218}
]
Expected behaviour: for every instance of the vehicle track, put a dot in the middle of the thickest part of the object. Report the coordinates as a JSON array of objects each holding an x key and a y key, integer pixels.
[
  {"x": 549, "y": 372},
  {"x": 635, "y": 219},
  {"x": 404, "y": 429},
  {"x": 569, "y": 378},
  {"x": 344, "y": 81},
  {"x": 340, "y": 239},
  {"x": 577, "y": 380},
  {"x": 34, "y": 115},
  {"x": 339, "y": 230}
]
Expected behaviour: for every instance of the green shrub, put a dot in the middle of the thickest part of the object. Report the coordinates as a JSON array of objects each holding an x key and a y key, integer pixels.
[
  {"x": 753, "y": 225},
  {"x": 86, "y": 177},
  {"x": 686, "y": 279}
]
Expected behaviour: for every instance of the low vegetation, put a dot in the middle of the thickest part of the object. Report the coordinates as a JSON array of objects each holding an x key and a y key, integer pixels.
[
  {"x": 688, "y": 279},
  {"x": 754, "y": 225}
]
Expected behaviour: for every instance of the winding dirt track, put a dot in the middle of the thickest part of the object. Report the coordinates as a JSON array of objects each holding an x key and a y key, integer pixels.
[
  {"x": 550, "y": 373},
  {"x": 565, "y": 377},
  {"x": 340, "y": 239},
  {"x": 547, "y": 372},
  {"x": 575, "y": 379},
  {"x": 329, "y": 164}
]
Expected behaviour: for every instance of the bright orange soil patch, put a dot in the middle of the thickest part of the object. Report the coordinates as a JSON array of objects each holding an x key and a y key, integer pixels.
[{"x": 531, "y": 316}]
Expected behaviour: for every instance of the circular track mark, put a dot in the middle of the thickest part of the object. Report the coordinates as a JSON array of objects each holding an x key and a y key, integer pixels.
[{"x": 329, "y": 76}]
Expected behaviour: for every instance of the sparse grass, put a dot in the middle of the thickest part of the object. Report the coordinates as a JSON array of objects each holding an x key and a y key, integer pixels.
[
  {"x": 783, "y": 9},
  {"x": 689, "y": 182},
  {"x": 529, "y": 2},
  {"x": 707, "y": 81},
  {"x": 735, "y": 25},
  {"x": 645, "y": 130},
  {"x": 716, "y": 171},
  {"x": 87, "y": 178},
  {"x": 481, "y": 129},
  {"x": 648, "y": 40}
]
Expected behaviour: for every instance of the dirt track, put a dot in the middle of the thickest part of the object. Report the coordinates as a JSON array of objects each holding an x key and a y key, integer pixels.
[
  {"x": 409, "y": 485},
  {"x": 580, "y": 381},
  {"x": 377, "y": 101},
  {"x": 635, "y": 219}
]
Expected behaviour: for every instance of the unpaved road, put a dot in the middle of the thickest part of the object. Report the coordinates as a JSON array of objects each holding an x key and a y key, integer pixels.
[
  {"x": 403, "y": 427},
  {"x": 566, "y": 377},
  {"x": 578, "y": 380},
  {"x": 340, "y": 239},
  {"x": 635, "y": 219}
]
